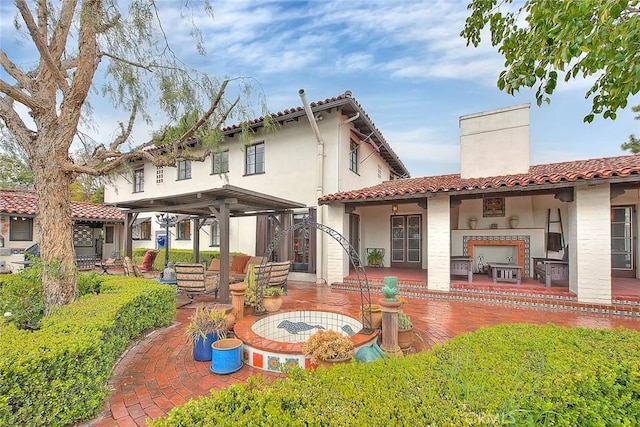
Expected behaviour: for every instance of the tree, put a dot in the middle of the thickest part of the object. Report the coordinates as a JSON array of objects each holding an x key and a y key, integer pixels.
[
  {"x": 72, "y": 40},
  {"x": 540, "y": 38},
  {"x": 633, "y": 144},
  {"x": 14, "y": 167}
]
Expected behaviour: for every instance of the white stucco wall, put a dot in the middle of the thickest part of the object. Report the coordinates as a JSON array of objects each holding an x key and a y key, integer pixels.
[
  {"x": 495, "y": 142},
  {"x": 439, "y": 249},
  {"x": 290, "y": 173},
  {"x": 591, "y": 273}
]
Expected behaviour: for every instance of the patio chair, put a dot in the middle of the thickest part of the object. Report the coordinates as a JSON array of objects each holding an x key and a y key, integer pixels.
[
  {"x": 130, "y": 269},
  {"x": 191, "y": 280},
  {"x": 147, "y": 260},
  {"x": 114, "y": 261}
]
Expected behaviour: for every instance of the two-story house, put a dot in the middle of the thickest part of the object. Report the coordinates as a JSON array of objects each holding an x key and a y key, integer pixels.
[{"x": 264, "y": 186}]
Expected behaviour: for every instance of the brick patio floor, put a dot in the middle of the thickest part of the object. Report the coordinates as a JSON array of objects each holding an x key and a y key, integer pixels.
[{"x": 158, "y": 371}]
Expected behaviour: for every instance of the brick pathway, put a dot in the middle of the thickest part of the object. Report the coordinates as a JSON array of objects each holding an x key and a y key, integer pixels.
[{"x": 158, "y": 372}]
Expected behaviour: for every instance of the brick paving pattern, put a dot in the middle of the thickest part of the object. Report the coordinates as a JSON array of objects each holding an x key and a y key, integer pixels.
[{"x": 158, "y": 371}]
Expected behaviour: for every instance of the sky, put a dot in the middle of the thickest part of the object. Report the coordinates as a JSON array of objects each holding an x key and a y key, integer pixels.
[{"x": 403, "y": 61}]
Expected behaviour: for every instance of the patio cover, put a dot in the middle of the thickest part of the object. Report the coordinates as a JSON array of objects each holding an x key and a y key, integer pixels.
[{"x": 222, "y": 203}]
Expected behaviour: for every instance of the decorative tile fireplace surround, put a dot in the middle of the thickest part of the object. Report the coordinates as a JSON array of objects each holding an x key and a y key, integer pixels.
[{"x": 521, "y": 242}]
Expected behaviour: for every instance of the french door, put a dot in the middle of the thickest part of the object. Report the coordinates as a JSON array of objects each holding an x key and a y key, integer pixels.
[
  {"x": 622, "y": 241},
  {"x": 406, "y": 241}
]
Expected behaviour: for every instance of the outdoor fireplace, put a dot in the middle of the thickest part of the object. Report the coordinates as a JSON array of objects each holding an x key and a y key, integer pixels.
[{"x": 520, "y": 243}]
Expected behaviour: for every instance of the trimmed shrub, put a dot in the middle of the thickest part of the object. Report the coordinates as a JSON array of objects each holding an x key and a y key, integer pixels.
[
  {"x": 22, "y": 296},
  {"x": 57, "y": 375},
  {"x": 517, "y": 374}
]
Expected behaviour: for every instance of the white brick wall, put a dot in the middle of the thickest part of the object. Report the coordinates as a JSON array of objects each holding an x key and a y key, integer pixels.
[
  {"x": 591, "y": 276},
  {"x": 438, "y": 243},
  {"x": 337, "y": 259}
]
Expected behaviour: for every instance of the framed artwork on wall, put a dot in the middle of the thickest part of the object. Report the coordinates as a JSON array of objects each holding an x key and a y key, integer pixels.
[{"x": 492, "y": 207}]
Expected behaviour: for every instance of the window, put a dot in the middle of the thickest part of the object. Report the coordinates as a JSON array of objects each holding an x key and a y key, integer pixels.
[
  {"x": 353, "y": 157},
  {"x": 141, "y": 229},
  {"x": 215, "y": 234},
  {"x": 184, "y": 230},
  {"x": 184, "y": 169},
  {"x": 21, "y": 229},
  {"x": 109, "y": 234},
  {"x": 254, "y": 161},
  {"x": 221, "y": 162},
  {"x": 159, "y": 175},
  {"x": 138, "y": 180},
  {"x": 379, "y": 171}
]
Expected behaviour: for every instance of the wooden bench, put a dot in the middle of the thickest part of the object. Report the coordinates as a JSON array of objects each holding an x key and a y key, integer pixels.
[
  {"x": 548, "y": 270},
  {"x": 190, "y": 280},
  {"x": 462, "y": 266}
]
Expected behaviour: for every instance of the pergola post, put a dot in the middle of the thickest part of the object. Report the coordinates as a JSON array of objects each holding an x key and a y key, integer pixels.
[{"x": 223, "y": 221}]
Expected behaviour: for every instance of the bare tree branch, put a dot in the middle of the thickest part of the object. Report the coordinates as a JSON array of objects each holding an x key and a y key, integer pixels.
[
  {"x": 17, "y": 94},
  {"x": 41, "y": 45},
  {"x": 71, "y": 107},
  {"x": 126, "y": 61},
  {"x": 15, "y": 72},
  {"x": 188, "y": 134},
  {"x": 61, "y": 33},
  {"x": 15, "y": 124},
  {"x": 124, "y": 135}
]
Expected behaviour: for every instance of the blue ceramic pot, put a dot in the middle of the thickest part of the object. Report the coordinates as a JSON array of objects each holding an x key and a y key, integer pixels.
[{"x": 202, "y": 347}]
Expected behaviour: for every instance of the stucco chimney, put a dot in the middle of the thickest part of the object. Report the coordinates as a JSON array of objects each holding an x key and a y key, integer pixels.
[{"x": 495, "y": 142}]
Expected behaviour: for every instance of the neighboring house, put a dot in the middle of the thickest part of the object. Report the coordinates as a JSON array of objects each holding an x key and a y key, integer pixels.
[
  {"x": 97, "y": 229},
  {"x": 291, "y": 163},
  {"x": 500, "y": 209}
]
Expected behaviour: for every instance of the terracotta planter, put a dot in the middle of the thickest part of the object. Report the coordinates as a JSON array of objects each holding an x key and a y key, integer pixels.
[
  {"x": 405, "y": 339},
  {"x": 272, "y": 304},
  {"x": 376, "y": 316},
  {"x": 330, "y": 362}
]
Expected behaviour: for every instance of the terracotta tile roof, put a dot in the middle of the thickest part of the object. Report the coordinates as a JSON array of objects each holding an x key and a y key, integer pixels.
[
  {"x": 23, "y": 202},
  {"x": 545, "y": 174}
]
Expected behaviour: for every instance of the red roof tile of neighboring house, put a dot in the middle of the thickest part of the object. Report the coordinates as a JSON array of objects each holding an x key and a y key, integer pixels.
[
  {"x": 551, "y": 173},
  {"x": 23, "y": 202}
]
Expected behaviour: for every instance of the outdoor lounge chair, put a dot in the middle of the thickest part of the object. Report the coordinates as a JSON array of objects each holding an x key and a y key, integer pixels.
[
  {"x": 273, "y": 274},
  {"x": 147, "y": 260},
  {"x": 191, "y": 280}
]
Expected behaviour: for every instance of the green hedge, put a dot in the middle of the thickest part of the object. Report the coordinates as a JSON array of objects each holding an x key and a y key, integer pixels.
[
  {"x": 516, "y": 374},
  {"x": 57, "y": 375},
  {"x": 175, "y": 255}
]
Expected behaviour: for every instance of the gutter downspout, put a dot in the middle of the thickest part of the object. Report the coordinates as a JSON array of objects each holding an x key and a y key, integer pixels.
[{"x": 320, "y": 264}]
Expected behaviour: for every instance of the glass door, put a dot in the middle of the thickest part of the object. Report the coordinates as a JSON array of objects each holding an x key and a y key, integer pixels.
[
  {"x": 300, "y": 244},
  {"x": 622, "y": 238},
  {"x": 406, "y": 241}
]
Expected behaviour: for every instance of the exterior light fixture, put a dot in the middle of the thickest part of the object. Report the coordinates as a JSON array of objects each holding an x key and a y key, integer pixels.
[{"x": 394, "y": 209}]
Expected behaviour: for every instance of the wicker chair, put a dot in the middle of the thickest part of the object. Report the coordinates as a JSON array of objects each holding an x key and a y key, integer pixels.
[{"x": 190, "y": 280}]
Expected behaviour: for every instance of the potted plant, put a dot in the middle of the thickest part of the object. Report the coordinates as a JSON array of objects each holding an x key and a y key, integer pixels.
[
  {"x": 405, "y": 332},
  {"x": 272, "y": 298},
  {"x": 326, "y": 347},
  {"x": 207, "y": 325},
  {"x": 375, "y": 257}
]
